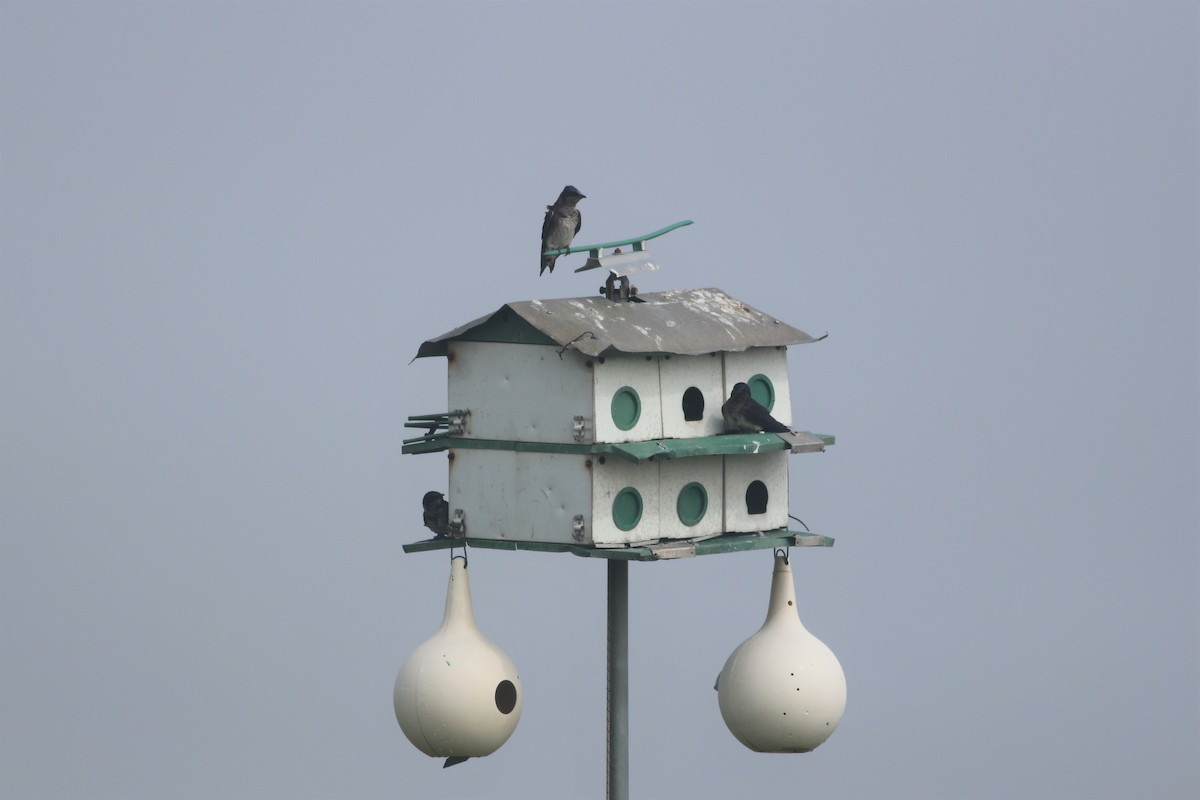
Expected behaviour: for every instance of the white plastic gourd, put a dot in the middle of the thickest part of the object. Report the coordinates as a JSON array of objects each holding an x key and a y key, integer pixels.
[
  {"x": 782, "y": 690},
  {"x": 458, "y": 695}
]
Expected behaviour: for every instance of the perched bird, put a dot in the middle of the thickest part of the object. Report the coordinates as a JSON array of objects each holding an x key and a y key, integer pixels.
[
  {"x": 560, "y": 225},
  {"x": 437, "y": 513},
  {"x": 743, "y": 414}
]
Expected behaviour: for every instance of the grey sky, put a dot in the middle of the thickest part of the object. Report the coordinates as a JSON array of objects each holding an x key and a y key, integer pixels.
[{"x": 226, "y": 227}]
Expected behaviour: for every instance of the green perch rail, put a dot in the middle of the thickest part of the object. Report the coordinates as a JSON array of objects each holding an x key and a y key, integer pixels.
[{"x": 638, "y": 242}]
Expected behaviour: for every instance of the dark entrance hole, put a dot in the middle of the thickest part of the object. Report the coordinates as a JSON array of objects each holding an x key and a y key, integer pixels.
[
  {"x": 756, "y": 498},
  {"x": 506, "y": 697},
  {"x": 693, "y": 404}
]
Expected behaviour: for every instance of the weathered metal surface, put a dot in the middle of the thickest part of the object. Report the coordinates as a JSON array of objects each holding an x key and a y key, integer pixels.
[
  {"x": 440, "y": 442},
  {"x": 612, "y": 476},
  {"x": 728, "y": 543},
  {"x": 526, "y": 393},
  {"x": 805, "y": 442},
  {"x": 704, "y": 376},
  {"x": 706, "y": 476},
  {"x": 509, "y": 494},
  {"x": 771, "y": 471},
  {"x": 669, "y": 550},
  {"x": 638, "y": 374},
  {"x": 688, "y": 322},
  {"x": 726, "y": 445}
]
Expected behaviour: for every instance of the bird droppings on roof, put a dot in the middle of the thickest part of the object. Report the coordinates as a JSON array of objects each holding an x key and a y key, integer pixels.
[{"x": 682, "y": 322}]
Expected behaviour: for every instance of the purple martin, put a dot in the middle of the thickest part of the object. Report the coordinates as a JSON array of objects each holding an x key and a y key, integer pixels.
[
  {"x": 437, "y": 513},
  {"x": 560, "y": 225},
  {"x": 744, "y": 414}
]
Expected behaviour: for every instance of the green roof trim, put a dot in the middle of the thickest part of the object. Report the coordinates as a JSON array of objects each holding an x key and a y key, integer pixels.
[
  {"x": 736, "y": 444},
  {"x": 506, "y": 327},
  {"x": 725, "y": 543}
]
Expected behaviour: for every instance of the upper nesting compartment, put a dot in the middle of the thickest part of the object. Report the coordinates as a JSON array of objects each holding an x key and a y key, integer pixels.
[{"x": 589, "y": 370}]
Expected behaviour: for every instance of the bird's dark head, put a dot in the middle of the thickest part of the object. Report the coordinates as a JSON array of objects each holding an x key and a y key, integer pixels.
[
  {"x": 740, "y": 390},
  {"x": 571, "y": 194},
  {"x": 430, "y": 499}
]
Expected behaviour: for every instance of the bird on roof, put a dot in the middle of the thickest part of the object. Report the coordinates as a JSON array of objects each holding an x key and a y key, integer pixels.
[
  {"x": 744, "y": 414},
  {"x": 561, "y": 223},
  {"x": 437, "y": 513}
]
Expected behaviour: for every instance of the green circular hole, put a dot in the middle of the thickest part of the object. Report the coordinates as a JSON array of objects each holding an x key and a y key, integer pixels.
[
  {"x": 692, "y": 503},
  {"x": 626, "y": 408},
  {"x": 762, "y": 390},
  {"x": 627, "y": 508}
]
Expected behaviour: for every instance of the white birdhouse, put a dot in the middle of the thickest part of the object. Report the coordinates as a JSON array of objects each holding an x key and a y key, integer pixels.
[
  {"x": 596, "y": 422},
  {"x": 458, "y": 695},
  {"x": 594, "y": 425}
]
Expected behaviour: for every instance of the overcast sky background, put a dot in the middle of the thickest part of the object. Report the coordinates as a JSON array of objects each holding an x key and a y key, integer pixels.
[{"x": 226, "y": 227}]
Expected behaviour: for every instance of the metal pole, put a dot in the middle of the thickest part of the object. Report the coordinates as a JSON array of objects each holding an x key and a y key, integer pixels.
[{"x": 618, "y": 679}]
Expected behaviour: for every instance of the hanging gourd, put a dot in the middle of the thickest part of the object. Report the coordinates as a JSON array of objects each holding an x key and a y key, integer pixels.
[
  {"x": 782, "y": 690},
  {"x": 458, "y": 695}
]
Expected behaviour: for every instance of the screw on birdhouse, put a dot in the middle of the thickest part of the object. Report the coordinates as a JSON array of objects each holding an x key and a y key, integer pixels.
[
  {"x": 458, "y": 524},
  {"x": 577, "y": 528},
  {"x": 577, "y": 427},
  {"x": 457, "y": 422}
]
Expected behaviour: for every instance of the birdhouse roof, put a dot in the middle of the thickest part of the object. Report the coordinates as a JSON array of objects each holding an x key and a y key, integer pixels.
[{"x": 686, "y": 322}]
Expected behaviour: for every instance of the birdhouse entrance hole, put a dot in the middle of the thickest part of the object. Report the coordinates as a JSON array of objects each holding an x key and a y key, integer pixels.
[
  {"x": 626, "y": 408},
  {"x": 756, "y": 498},
  {"x": 506, "y": 697},
  {"x": 627, "y": 508},
  {"x": 692, "y": 503},
  {"x": 693, "y": 404},
  {"x": 762, "y": 390}
]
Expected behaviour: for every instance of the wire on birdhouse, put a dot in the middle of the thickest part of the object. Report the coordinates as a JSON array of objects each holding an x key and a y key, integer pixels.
[
  {"x": 801, "y": 522},
  {"x": 786, "y": 552},
  {"x": 563, "y": 349},
  {"x": 463, "y": 555}
]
